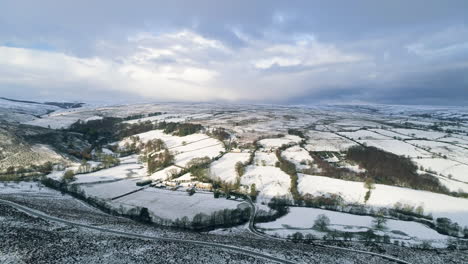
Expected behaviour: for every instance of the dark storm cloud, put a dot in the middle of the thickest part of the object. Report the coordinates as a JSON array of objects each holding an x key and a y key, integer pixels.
[
  {"x": 265, "y": 51},
  {"x": 443, "y": 87}
]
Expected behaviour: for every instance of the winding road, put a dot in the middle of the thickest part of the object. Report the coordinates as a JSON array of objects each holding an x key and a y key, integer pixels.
[
  {"x": 133, "y": 235},
  {"x": 253, "y": 212}
]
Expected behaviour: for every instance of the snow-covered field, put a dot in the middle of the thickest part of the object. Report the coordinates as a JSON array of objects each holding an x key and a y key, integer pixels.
[
  {"x": 446, "y": 167},
  {"x": 327, "y": 141},
  {"x": 451, "y": 151},
  {"x": 129, "y": 168},
  {"x": 23, "y": 112},
  {"x": 390, "y": 134},
  {"x": 157, "y": 118},
  {"x": 165, "y": 173},
  {"x": 327, "y": 128},
  {"x": 439, "y": 205},
  {"x": 170, "y": 140},
  {"x": 363, "y": 135},
  {"x": 209, "y": 147},
  {"x": 224, "y": 168},
  {"x": 278, "y": 142},
  {"x": 302, "y": 220},
  {"x": 184, "y": 148},
  {"x": 176, "y": 204},
  {"x": 62, "y": 118},
  {"x": 299, "y": 156},
  {"x": 170, "y": 118},
  {"x": 458, "y": 140},
  {"x": 397, "y": 147},
  {"x": 265, "y": 158},
  {"x": 109, "y": 190},
  {"x": 453, "y": 185},
  {"x": 23, "y": 188},
  {"x": 270, "y": 181},
  {"x": 416, "y": 133}
]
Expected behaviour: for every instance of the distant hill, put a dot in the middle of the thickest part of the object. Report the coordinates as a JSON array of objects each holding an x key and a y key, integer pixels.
[{"x": 63, "y": 105}]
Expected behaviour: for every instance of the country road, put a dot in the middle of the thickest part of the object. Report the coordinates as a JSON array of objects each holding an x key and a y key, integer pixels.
[
  {"x": 133, "y": 235},
  {"x": 253, "y": 230},
  {"x": 244, "y": 251}
]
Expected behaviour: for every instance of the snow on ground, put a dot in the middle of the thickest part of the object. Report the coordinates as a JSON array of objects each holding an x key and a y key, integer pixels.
[
  {"x": 452, "y": 151},
  {"x": 363, "y": 134},
  {"x": 299, "y": 156},
  {"x": 184, "y": 148},
  {"x": 397, "y": 147},
  {"x": 58, "y": 174},
  {"x": 175, "y": 204},
  {"x": 351, "y": 167},
  {"x": 439, "y": 205},
  {"x": 62, "y": 118},
  {"x": 92, "y": 118},
  {"x": 23, "y": 187},
  {"x": 128, "y": 168},
  {"x": 165, "y": 173},
  {"x": 332, "y": 159},
  {"x": 23, "y": 112},
  {"x": 33, "y": 108},
  {"x": 456, "y": 138},
  {"x": 184, "y": 178},
  {"x": 352, "y": 123},
  {"x": 107, "y": 151},
  {"x": 182, "y": 159},
  {"x": 267, "y": 158},
  {"x": 224, "y": 168},
  {"x": 303, "y": 218},
  {"x": 170, "y": 140},
  {"x": 327, "y": 141},
  {"x": 270, "y": 181},
  {"x": 157, "y": 118},
  {"x": 208, "y": 147},
  {"x": 419, "y": 133},
  {"x": 389, "y": 133},
  {"x": 110, "y": 189},
  {"x": 453, "y": 185},
  {"x": 278, "y": 142},
  {"x": 445, "y": 167},
  {"x": 169, "y": 118},
  {"x": 45, "y": 150}
]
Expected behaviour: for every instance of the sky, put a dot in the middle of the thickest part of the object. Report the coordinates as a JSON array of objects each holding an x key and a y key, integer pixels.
[{"x": 264, "y": 51}]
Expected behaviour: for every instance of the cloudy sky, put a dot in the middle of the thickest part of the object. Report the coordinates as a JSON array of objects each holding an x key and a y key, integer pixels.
[{"x": 264, "y": 51}]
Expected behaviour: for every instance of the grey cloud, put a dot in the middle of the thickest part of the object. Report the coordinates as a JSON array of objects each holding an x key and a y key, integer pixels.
[{"x": 405, "y": 51}]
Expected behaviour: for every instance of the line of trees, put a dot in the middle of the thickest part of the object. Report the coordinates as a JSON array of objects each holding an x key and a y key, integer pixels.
[
  {"x": 138, "y": 116},
  {"x": 289, "y": 168},
  {"x": 222, "y": 218}
]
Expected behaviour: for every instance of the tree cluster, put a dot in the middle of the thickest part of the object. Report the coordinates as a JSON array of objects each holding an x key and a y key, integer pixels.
[
  {"x": 296, "y": 132},
  {"x": 160, "y": 160},
  {"x": 179, "y": 129},
  {"x": 198, "y": 167},
  {"x": 93, "y": 130},
  {"x": 219, "y": 133},
  {"x": 388, "y": 168}
]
